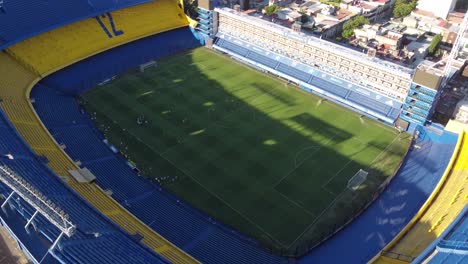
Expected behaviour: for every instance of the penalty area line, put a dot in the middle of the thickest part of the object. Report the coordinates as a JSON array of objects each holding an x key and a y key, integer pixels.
[
  {"x": 295, "y": 203},
  {"x": 205, "y": 188}
]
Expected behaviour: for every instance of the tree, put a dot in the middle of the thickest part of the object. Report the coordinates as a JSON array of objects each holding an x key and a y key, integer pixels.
[
  {"x": 335, "y": 3},
  {"x": 355, "y": 22},
  {"x": 404, "y": 7},
  {"x": 435, "y": 43},
  {"x": 190, "y": 8},
  {"x": 272, "y": 9}
]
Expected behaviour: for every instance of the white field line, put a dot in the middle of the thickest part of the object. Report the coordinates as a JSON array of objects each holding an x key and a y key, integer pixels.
[
  {"x": 209, "y": 191},
  {"x": 295, "y": 203}
]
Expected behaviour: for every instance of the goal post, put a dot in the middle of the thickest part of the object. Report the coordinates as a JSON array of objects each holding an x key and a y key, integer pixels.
[
  {"x": 358, "y": 179},
  {"x": 149, "y": 64}
]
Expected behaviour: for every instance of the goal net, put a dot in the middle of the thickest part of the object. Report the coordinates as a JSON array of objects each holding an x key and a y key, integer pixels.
[{"x": 357, "y": 179}]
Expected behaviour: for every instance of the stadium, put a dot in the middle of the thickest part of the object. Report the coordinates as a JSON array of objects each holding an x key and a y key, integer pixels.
[{"x": 132, "y": 133}]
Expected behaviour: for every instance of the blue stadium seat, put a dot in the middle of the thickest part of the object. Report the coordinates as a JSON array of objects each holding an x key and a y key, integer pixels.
[
  {"x": 91, "y": 225},
  {"x": 394, "y": 112},
  {"x": 262, "y": 59},
  {"x": 235, "y": 48},
  {"x": 293, "y": 72},
  {"x": 21, "y": 19},
  {"x": 182, "y": 225},
  {"x": 452, "y": 245},
  {"x": 363, "y": 238},
  {"x": 195, "y": 232},
  {"x": 369, "y": 103},
  {"x": 445, "y": 258},
  {"x": 187, "y": 228},
  {"x": 32, "y": 241},
  {"x": 329, "y": 87},
  {"x": 87, "y": 73},
  {"x": 306, "y": 74}
]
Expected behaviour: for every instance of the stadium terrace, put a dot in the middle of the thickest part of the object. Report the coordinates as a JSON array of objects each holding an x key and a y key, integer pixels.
[{"x": 133, "y": 133}]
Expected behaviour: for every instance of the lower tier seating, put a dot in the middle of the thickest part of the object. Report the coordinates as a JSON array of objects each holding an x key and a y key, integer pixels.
[
  {"x": 329, "y": 87},
  {"x": 18, "y": 109},
  {"x": 25, "y": 164},
  {"x": 369, "y": 103},
  {"x": 188, "y": 229},
  {"x": 262, "y": 59},
  {"x": 293, "y": 72},
  {"x": 87, "y": 73},
  {"x": 317, "y": 80}
]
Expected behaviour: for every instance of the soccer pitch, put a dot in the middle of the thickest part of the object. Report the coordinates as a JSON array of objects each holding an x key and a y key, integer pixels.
[{"x": 250, "y": 150}]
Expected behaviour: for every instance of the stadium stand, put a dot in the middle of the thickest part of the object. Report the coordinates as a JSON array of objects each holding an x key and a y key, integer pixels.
[
  {"x": 329, "y": 87},
  {"x": 19, "y": 111},
  {"x": 440, "y": 209},
  {"x": 372, "y": 104},
  {"x": 261, "y": 59},
  {"x": 442, "y": 257},
  {"x": 291, "y": 71},
  {"x": 21, "y": 19},
  {"x": 349, "y": 94},
  {"x": 383, "y": 77},
  {"x": 74, "y": 42},
  {"x": 87, "y": 73},
  {"x": 190, "y": 230},
  {"x": 451, "y": 246},
  {"x": 101, "y": 240},
  {"x": 200, "y": 236},
  {"x": 393, "y": 209},
  {"x": 92, "y": 227},
  {"x": 31, "y": 243}
]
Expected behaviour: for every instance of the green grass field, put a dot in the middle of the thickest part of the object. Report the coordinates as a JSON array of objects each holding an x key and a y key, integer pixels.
[{"x": 246, "y": 148}]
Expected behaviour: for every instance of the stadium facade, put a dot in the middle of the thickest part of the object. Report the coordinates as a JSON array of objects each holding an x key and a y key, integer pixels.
[{"x": 375, "y": 87}]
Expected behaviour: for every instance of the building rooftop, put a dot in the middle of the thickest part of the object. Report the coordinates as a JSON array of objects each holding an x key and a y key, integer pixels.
[
  {"x": 327, "y": 45},
  {"x": 424, "y": 13}
]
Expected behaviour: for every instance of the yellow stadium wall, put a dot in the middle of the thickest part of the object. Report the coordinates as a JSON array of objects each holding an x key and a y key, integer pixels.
[
  {"x": 427, "y": 204},
  {"x": 64, "y": 46}
]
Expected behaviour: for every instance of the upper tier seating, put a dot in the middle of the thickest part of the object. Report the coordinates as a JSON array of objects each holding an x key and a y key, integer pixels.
[
  {"x": 88, "y": 221},
  {"x": 446, "y": 204},
  {"x": 21, "y": 19},
  {"x": 14, "y": 89},
  {"x": 63, "y": 46}
]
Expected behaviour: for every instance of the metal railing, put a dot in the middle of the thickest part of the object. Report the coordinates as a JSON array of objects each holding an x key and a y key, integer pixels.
[{"x": 53, "y": 213}]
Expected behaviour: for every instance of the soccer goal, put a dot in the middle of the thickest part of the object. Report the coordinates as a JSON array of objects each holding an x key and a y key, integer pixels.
[
  {"x": 357, "y": 180},
  {"x": 147, "y": 65}
]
